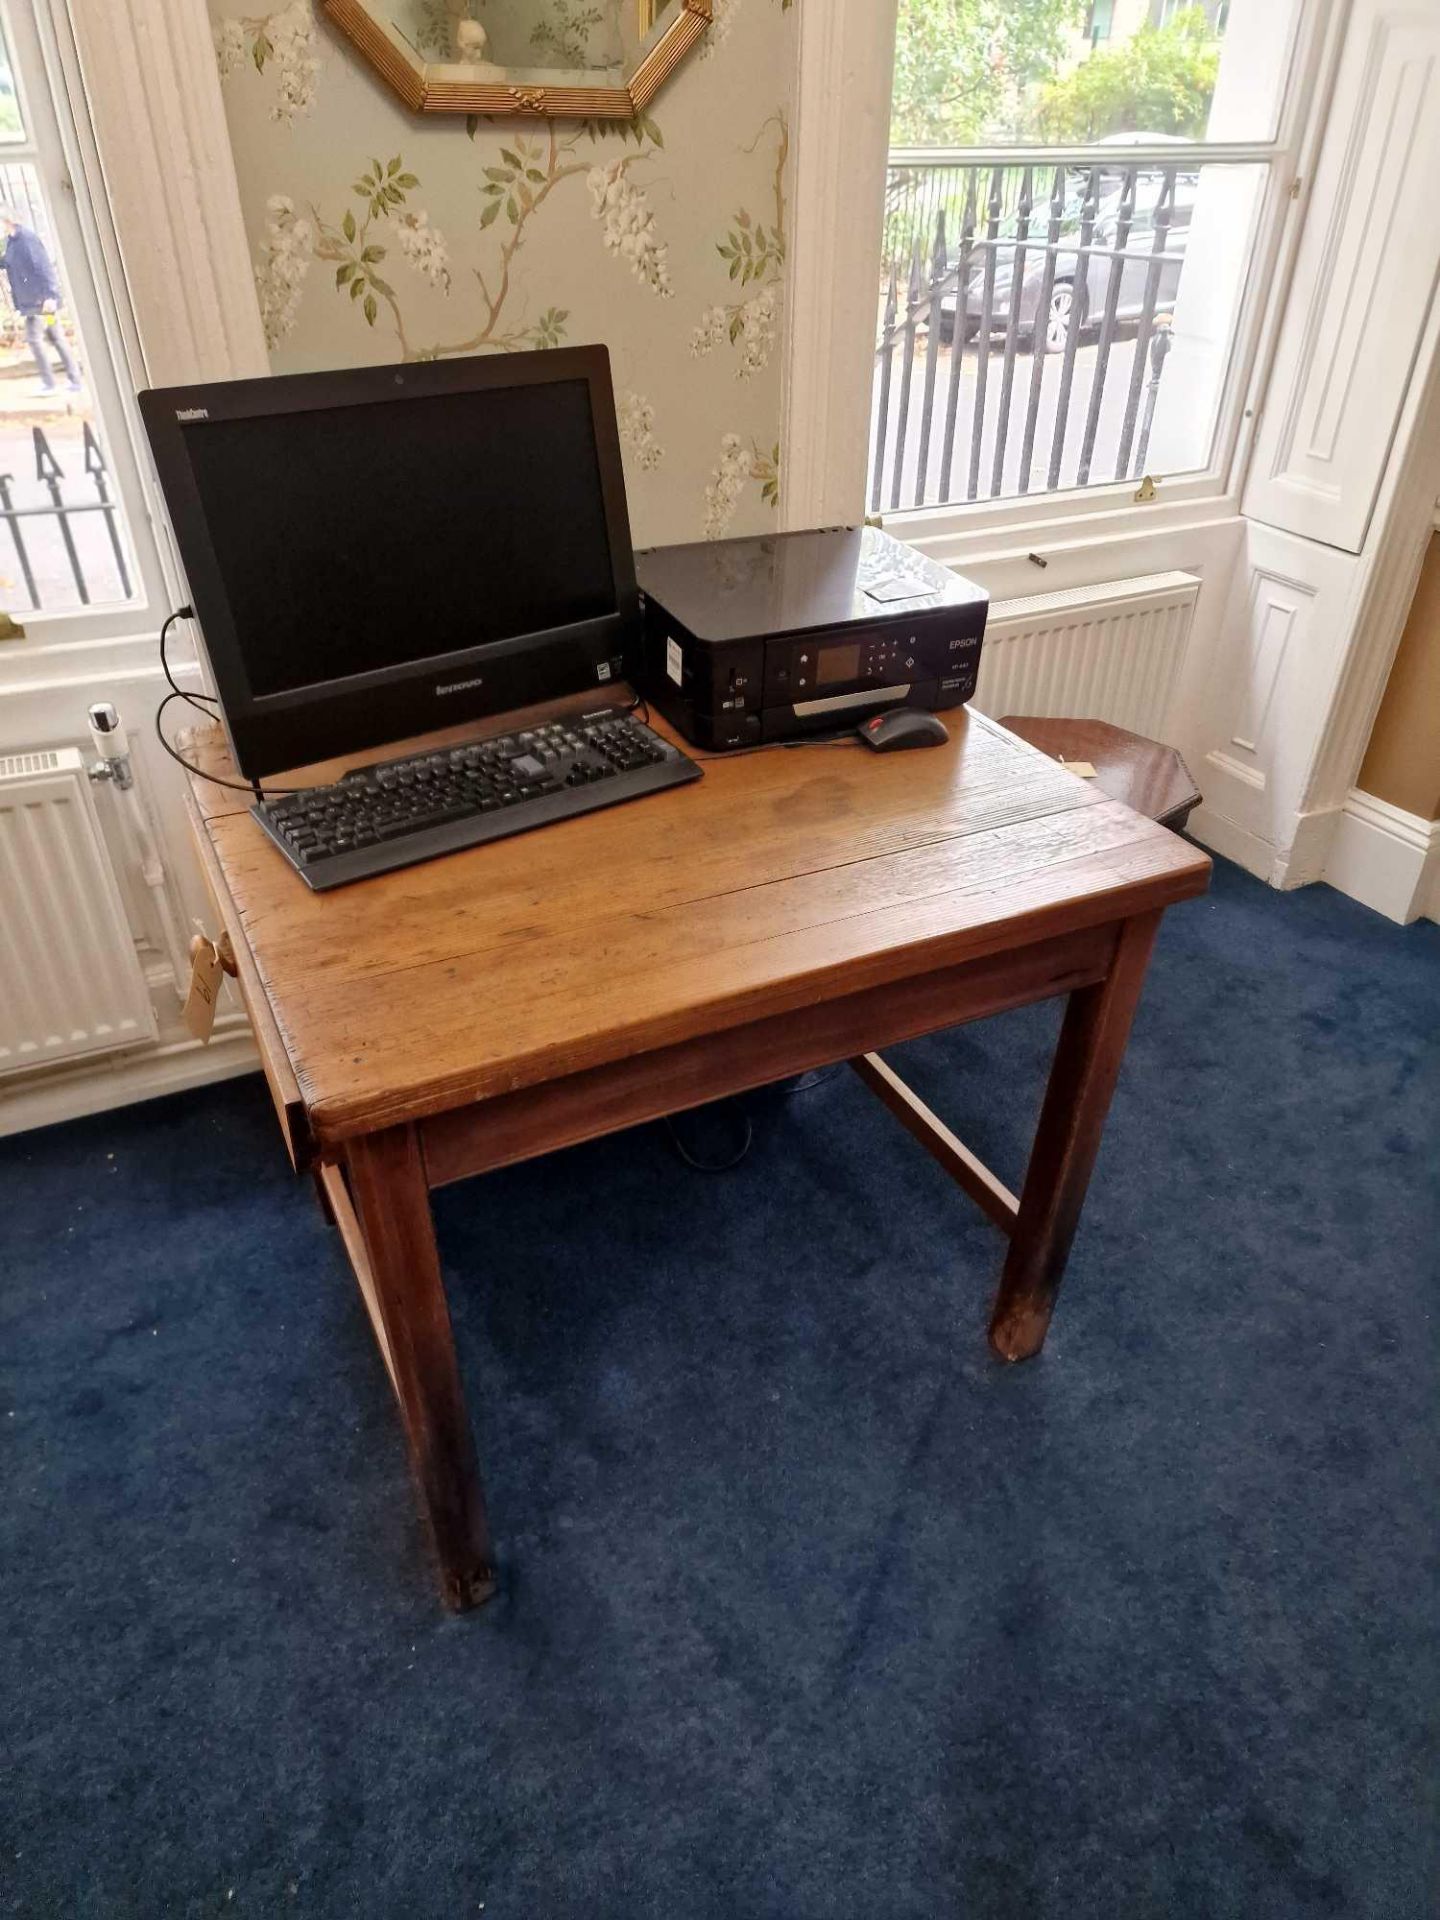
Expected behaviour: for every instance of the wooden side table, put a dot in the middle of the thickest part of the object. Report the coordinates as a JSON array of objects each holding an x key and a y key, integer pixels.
[{"x": 1139, "y": 773}]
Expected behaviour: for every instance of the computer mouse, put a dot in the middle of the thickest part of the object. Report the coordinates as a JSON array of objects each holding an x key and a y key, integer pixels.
[{"x": 903, "y": 727}]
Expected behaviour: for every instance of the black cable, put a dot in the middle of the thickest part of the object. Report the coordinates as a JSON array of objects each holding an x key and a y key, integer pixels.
[
  {"x": 209, "y": 709},
  {"x": 713, "y": 1166},
  {"x": 251, "y": 787},
  {"x": 637, "y": 702},
  {"x": 202, "y": 702},
  {"x": 806, "y": 1083}
]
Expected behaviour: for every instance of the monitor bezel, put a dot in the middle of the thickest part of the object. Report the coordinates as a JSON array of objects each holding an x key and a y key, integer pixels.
[{"x": 275, "y": 732}]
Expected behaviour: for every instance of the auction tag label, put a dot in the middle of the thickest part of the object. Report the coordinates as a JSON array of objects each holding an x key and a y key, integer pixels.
[{"x": 206, "y": 973}]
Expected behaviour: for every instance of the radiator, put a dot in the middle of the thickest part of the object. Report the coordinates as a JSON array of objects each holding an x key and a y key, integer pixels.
[
  {"x": 1110, "y": 652},
  {"x": 71, "y": 983}
]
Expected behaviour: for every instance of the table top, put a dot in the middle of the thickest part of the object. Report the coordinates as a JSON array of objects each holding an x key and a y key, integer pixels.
[
  {"x": 1145, "y": 774},
  {"x": 782, "y": 878}
]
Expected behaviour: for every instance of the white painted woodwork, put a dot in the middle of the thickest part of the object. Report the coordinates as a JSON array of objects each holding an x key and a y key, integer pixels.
[
  {"x": 1112, "y": 652},
  {"x": 153, "y": 96},
  {"x": 1377, "y": 610},
  {"x": 1271, "y": 675},
  {"x": 70, "y": 979},
  {"x": 106, "y": 1081},
  {"x": 1386, "y": 859},
  {"x": 839, "y": 147},
  {"x": 1364, "y": 279}
]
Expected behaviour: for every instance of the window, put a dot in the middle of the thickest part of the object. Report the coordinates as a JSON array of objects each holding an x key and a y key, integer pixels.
[
  {"x": 67, "y": 473},
  {"x": 1073, "y": 202}
]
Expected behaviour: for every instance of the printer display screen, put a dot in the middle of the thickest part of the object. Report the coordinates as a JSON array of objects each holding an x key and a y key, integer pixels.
[{"x": 837, "y": 663}]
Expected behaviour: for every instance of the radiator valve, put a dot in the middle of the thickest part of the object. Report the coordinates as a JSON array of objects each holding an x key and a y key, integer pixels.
[{"x": 112, "y": 745}]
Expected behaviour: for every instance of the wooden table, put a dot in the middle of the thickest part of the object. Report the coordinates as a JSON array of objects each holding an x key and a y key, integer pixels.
[
  {"x": 792, "y": 909},
  {"x": 1144, "y": 774}
]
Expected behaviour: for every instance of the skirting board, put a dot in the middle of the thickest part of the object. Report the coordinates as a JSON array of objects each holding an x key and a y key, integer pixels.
[
  {"x": 1387, "y": 859},
  {"x": 100, "y": 1085},
  {"x": 1234, "y": 842}
]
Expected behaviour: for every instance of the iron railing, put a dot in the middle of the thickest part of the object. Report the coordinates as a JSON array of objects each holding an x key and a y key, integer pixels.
[
  {"x": 44, "y": 572},
  {"x": 1074, "y": 266}
]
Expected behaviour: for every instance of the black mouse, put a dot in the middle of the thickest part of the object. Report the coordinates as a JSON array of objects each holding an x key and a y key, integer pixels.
[{"x": 903, "y": 727}]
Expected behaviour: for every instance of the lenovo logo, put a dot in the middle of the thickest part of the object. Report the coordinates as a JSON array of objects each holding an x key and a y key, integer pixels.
[
  {"x": 461, "y": 686},
  {"x": 192, "y": 413}
]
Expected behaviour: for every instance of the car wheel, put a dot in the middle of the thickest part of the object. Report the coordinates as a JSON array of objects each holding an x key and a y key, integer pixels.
[
  {"x": 1057, "y": 323},
  {"x": 947, "y": 329}
]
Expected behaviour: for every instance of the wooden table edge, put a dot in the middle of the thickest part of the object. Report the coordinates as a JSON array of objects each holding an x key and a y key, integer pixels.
[
  {"x": 332, "y": 1124},
  {"x": 290, "y": 1105}
]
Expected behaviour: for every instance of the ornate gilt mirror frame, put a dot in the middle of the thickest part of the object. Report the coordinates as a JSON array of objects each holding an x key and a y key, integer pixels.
[{"x": 432, "y": 87}]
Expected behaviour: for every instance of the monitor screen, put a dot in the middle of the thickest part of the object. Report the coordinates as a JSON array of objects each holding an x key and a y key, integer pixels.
[
  {"x": 379, "y": 553},
  {"x": 352, "y": 539}
]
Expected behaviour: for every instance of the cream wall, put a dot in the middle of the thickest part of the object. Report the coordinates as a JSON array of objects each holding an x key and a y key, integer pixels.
[{"x": 593, "y": 235}]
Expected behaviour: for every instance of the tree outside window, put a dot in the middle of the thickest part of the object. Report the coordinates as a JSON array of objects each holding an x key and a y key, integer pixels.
[{"x": 1003, "y": 72}]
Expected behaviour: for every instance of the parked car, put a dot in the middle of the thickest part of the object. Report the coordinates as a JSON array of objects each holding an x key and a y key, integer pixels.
[{"x": 1073, "y": 281}]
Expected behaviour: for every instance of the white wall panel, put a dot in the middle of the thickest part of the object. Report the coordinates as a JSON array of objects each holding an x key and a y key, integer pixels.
[{"x": 1272, "y": 674}]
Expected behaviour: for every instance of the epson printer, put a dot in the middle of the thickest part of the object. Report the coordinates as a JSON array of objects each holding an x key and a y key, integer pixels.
[{"x": 746, "y": 641}]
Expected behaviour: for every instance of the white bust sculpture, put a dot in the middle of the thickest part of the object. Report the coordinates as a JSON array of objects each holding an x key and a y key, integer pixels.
[{"x": 471, "y": 40}]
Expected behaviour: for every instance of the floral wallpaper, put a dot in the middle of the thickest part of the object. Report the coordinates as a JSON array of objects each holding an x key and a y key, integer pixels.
[{"x": 381, "y": 235}]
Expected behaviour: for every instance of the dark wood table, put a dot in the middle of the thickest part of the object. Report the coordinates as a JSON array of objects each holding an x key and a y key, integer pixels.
[
  {"x": 792, "y": 909},
  {"x": 1144, "y": 774}
]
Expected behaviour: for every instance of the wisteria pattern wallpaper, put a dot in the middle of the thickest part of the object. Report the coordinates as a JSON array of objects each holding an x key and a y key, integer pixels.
[{"x": 379, "y": 235}]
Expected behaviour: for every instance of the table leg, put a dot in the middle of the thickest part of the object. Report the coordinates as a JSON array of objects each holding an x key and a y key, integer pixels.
[
  {"x": 322, "y": 1198},
  {"x": 392, "y": 1207},
  {"x": 1082, "y": 1079}
]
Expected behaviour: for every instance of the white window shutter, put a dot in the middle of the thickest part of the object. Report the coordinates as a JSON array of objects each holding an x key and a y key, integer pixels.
[{"x": 1366, "y": 272}]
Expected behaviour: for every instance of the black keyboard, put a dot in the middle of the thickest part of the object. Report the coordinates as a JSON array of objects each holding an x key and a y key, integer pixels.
[{"x": 402, "y": 811}]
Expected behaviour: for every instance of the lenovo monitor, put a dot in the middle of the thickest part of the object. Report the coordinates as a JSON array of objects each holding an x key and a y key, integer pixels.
[{"x": 380, "y": 552}]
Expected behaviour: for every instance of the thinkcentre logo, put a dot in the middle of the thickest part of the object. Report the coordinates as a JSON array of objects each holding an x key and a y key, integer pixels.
[{"x": 460, "y": 686}]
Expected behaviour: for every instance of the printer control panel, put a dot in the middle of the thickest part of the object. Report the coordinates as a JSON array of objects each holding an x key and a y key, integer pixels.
[{"x": 815, "y": 666}]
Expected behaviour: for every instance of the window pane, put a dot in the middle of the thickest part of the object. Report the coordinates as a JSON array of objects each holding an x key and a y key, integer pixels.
[
  {"x": 11, "y": 127},
  {"x": 1051, "y": 328},
  {"x": 1053, "y": 72},
  {"x": 62, "y": 541}
]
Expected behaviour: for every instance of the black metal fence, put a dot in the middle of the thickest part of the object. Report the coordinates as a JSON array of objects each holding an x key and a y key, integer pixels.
[
  {"x": 1073, "y": 269},
  {"x": 61, "y": 575}
]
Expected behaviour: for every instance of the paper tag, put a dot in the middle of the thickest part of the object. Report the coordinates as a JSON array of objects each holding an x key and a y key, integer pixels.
[
  {"x": 206, "y": 973},
  {"x": 673, "y": 660},
  {"x": 1082, "y": 767}
]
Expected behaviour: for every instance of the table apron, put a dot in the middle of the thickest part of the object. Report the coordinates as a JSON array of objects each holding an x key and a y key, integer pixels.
[{"x": 583, "y": 1106}]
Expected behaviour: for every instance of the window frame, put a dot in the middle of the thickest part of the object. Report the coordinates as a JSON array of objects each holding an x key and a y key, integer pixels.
[
  {"x": 981, "y": 528},
  {"x": 53, "y": 145}
]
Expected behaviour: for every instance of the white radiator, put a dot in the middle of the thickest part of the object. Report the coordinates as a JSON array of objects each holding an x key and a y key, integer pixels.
[
  {"x": 1110, "y": 652},
  {"x": 70, "y": 979}
]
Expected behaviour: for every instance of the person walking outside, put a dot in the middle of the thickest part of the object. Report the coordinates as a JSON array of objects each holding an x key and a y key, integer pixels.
[{"x": 35, "y": 290}]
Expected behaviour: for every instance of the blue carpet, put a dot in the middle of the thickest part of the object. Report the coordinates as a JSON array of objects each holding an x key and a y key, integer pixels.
[{"x": 810, "y": 1608}]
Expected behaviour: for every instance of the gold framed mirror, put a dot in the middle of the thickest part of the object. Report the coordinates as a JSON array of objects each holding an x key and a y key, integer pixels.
[{"x": 571, "y": 59}]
